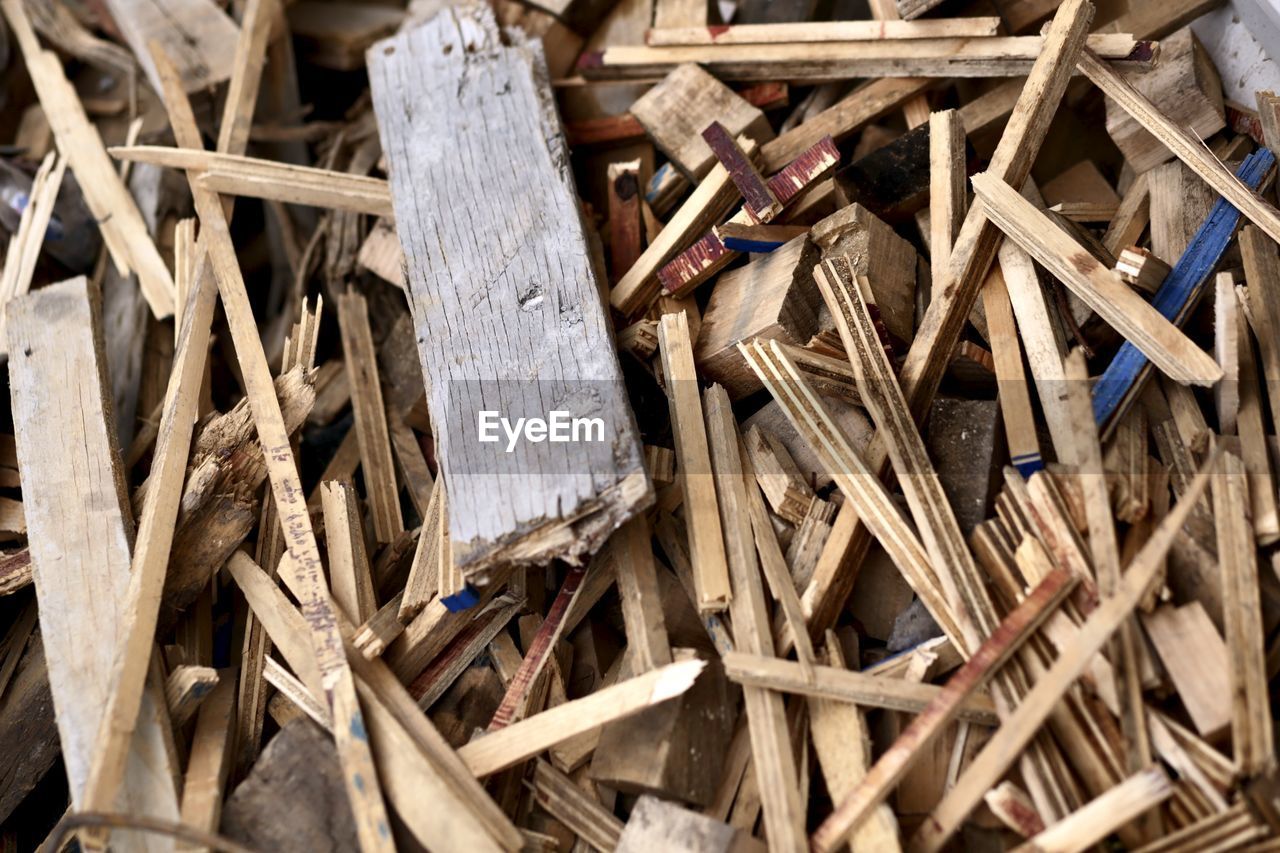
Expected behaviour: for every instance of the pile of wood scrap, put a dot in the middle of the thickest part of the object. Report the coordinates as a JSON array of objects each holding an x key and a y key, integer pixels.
[{"x": 642, "y": 425}]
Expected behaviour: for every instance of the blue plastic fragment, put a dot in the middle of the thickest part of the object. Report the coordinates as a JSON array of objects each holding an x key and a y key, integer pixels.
[{"x": 461, "y": 600}]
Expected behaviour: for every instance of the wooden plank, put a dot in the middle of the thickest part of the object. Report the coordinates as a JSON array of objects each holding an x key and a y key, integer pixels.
[
  {"x": 706, "y": 542},
  {"x": 123, "y": 231},
  {"x": 1129, "y": 368},
  {"x": 1264, "y": 513},
  {"x": 1196, "y": 659},
  {"x": 560, "y": 510},
  {"x": 370, "y": 416},
  {"x": 79, "y": 550},
  {"x": 1021, "y": 726},
  {"x": 995, "y": 56},
  {"x": 1100, "y": 288},
  {"x": 676, "y": 111},
  {"x": 1015, "y": 399},
  {"x": 211, "y": 757}
]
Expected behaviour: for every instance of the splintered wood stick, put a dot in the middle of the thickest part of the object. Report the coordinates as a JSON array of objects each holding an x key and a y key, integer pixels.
[
  {"x": 349, "y": 573},
  {"x": 424, "y": 574},
  {"x": 976, "y": 245},
  {"x": 870, "y": 691},
  {"x": 859, "y": 484},
  {"x": 771, "y": 747},
  {"x": 1103, "y": 815},
  {"x": 25, "y": 244},
  {"x": 370, "y": 416},
  {"x": 353, "y": 746},
  {"x": 1251, "y": 735},
  {"x": 123, "y": 230},
  {"x": 1015, "y": 399},
  {"x": 808, "y": 32},
  {"x": 1100, "y": 288},
  {"x": 431, "y": 797},
  {"x": 1264, "y": 514},
  {"x": 706, "y": 542},
  {"x": 1180, "y": 141},
  {"x": 494, "y": 751},
  {"x": 1026, "y": 719},
  {"x": 992, "y": 56},
  {"x": 946, "y": 706},
  {"x": 75, "y": 514},
  {"x": 252, "y": 177}
]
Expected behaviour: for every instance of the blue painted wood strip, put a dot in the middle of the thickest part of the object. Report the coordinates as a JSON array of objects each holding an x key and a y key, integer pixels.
[
  {"x": 745, "y": 244},
  {"x": 1028, "y": 464},
  {"x": 1178, "y": 293}
]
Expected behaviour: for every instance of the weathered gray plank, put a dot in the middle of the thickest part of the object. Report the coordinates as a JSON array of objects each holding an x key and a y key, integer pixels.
[{"x": 504, "y": 295}]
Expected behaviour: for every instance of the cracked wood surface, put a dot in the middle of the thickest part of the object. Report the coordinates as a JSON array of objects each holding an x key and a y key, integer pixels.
[{"x": 503, "y": 291}]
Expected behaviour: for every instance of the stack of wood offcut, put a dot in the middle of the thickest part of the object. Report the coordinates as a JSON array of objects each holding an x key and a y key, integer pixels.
[{"x": 639, "y": 425}]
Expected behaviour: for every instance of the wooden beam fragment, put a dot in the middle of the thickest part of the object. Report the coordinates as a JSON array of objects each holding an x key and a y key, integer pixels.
[
  {"x": 1103, "y": 815},
  {"x": 560, "y": 510}
]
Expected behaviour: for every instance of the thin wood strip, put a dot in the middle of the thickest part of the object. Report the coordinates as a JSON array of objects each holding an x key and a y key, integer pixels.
[
  {"x": 1014, "y": 396},
  {"x": 211, "y": 757},
  {"x": 1103, "y": 815},
  {"x": 520, "y": 741},
  {"x": 993, "y": 56},
  {"x": 869, "y": 691},
  {"x": 370, "y": 416},
  {"x": 539, "y": 652},
  {"x": 270, "y": 180},
  {"x": 1251, "y": 733},
  {"x": 349, "y": 573},
  {"x": 948, "y": 198},
  {"x": 123, "y": 230},
  {"x": 647, "y": 644},
  {"x": 569, "y": 804},
  {"x": 771, "y": 748},
  {"x": 706, "y": 541},
  {"x": 758, "y": 200},
  {"x": 25, "y": 244},
  {"x": 822, "y": 31}
]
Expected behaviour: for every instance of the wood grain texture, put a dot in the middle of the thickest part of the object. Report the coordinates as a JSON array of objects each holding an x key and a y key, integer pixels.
[
  {"x": 79, "y": 527},
  {"x": 197, "y": 34},
  {"x": 503, "y": 292}
]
